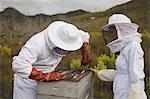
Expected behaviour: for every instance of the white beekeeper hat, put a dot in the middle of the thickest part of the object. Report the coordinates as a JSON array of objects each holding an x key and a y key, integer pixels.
[
  {"x": 118, "y": 19},
  {"x": 65, "y": 36}
]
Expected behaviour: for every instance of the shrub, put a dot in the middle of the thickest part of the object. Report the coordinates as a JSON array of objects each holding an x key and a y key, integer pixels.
[
  {"x": 75, "y": 64},
  {"x": 105, "y": 61},
  {"x": 4, "y": 50}
]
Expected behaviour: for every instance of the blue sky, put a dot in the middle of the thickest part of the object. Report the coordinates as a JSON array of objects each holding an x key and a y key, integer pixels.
[{"x": 50, "y": 7}]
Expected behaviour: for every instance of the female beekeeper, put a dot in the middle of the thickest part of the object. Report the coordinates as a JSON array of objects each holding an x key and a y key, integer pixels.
[
  {"x": 121, "y": 35},
  {"x": 42, "y": 53}
]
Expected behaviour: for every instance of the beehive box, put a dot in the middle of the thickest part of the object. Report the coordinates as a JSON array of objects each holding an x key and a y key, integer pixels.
[{"x": 81, "y": 89}]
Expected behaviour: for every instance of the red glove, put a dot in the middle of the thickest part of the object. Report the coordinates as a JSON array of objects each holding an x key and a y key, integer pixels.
[
  {"x": 38, "y": 75},
  {"x": 86, "y": 58}
]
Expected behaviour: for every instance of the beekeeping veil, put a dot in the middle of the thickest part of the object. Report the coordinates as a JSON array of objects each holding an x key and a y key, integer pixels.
[{"x": 118, "y": 29}]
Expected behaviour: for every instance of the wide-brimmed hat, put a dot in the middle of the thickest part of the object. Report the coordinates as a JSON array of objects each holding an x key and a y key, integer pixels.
[
  {"x": 118, "y": 19},
  {"x": 65, "y": 36}
]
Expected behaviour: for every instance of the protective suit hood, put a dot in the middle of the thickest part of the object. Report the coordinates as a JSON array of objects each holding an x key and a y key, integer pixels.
[
  {"x": 119, "y": 32},
  {"x": 63, "y": 35},
  {"x": 50, "y": 44},
  {"x": 48, "y": 41},
  {"x": 119, "y": 44}
]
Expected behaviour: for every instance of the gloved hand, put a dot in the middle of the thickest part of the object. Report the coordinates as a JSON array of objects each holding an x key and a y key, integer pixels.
[
  {"x": 94, "y": 70},
  {"x": 38, "y": 75},
  {"x": 86, "y": 58}
]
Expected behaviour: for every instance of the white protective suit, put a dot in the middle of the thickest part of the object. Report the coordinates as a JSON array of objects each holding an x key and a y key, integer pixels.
[
  {"x": 129, "y": 75},
  {"x": 35, "y": 53}
]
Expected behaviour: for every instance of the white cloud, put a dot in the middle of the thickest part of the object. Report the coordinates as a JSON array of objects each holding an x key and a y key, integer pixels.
[{"x": 32, "y": 7}]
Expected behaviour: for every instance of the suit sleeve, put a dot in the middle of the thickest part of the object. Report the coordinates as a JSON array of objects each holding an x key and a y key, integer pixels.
[
  {"x": 22, "y": 64},
  {"x": 135, "y": 63},
  {"x": 107, "y": 75}
]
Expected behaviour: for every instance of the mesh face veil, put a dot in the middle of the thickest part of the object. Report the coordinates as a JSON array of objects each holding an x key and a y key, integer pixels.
[
  {"x": 59, "y": 51},
  {"x": 110, "y": 34}
]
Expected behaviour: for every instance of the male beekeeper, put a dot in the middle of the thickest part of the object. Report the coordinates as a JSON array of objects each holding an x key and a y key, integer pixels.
[
  {"x": 121, "y": 35},
  {"x": 42, "y": 53}
]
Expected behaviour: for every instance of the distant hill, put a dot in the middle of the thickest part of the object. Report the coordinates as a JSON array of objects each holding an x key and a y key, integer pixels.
[
  {"x": 76, "y": 13},
  {"x": 12, "y": 21},
  {"x": 137, "y": 10}
]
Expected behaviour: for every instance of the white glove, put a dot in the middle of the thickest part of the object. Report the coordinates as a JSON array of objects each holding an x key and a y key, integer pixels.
[
  {"x": 85, "y": 36},
  {"x": 136, "y": 91},
  {"x": 107, "y": 75}
]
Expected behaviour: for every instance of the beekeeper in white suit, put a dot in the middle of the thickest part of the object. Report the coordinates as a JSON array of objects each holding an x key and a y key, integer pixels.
[
  {"x": 42, "y": 53},
  {"x": 121, "y": 35}
]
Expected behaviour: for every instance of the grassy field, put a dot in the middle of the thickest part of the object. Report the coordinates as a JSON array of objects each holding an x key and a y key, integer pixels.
[{"x": 101, "y": 89}]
